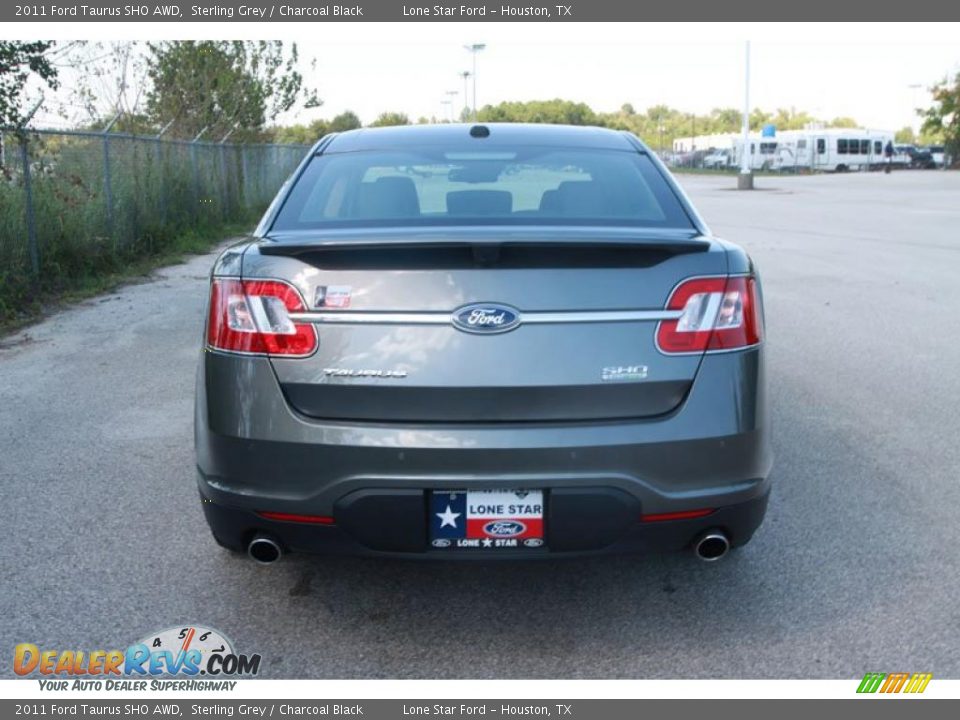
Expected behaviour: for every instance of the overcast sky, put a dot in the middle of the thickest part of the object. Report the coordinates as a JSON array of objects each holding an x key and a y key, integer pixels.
[{"x": 858, "y": 70}]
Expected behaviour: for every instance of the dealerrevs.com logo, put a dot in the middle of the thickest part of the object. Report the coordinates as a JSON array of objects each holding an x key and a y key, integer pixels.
[{"x": 179, "y": 658}]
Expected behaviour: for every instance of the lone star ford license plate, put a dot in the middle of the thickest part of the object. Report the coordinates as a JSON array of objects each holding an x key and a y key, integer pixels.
[{"x": 486, "y": 519}]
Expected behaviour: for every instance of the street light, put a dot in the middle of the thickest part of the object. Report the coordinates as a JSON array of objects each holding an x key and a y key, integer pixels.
[
  {"x": 914, "y": 87},
  {"x": 473, "y": 50},
  {"x": 466, "y": 76},
  {"x": 451, "y": 94},
  {"x": 745, "y": 178},
  {"x": 449, "y": 106}
]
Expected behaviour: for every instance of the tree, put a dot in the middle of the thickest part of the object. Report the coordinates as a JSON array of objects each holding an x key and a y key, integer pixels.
[
  {"x": 111, "y": 78},
  {"x": 300, "y": 134},
  {"x": 759, "y": 118},
  {"x": 843, "y": 122},
  {"x": 552, "y": 112},
  {"x": 943, "y": 117},
  {"x": 309, "y": 134},
  {"x": 390, "y": 118},
  {"x": 346, "y": 120},
  {"x": 726, "y": 119},
  {"x": 18, "y": 62},
  {"x": 219, "y": 85},
  {"x": 905, "y": 136}
]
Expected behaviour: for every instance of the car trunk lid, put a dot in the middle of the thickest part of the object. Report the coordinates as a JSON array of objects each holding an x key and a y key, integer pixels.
[{"x": 564, "y": 331}]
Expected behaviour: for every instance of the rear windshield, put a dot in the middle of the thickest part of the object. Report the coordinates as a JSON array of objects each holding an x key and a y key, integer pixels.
[{"x": 520, "y": 186}]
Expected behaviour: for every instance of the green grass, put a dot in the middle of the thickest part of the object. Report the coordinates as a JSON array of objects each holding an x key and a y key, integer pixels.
[{"x": 165, "y": 200}]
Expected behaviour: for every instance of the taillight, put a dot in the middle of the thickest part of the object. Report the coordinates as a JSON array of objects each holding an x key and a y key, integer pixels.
[
  {"x": 716, "y": 314},
  {"x": 297, "y": 518},
  {"x": 681, "y": 515},
  {"x": 253, "y": 317}
]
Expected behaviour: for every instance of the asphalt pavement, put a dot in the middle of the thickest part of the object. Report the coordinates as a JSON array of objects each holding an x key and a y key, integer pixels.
[{"x": 856, "y": 568}]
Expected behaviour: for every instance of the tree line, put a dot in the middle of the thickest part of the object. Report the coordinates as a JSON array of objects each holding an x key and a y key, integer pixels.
[{"x": 239, "y": 89}]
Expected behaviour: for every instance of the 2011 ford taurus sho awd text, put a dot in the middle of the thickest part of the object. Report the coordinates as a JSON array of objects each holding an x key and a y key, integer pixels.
[{"x": 508, "y": 341}]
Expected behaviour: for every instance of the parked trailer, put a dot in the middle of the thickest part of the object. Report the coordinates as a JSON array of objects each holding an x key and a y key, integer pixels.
[{"x": 764, "y": 152}]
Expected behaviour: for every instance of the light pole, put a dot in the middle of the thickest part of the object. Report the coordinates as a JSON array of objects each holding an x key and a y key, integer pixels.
[
  {"x": 914, "y": 87},
  {"x": 466, "y": 76},
  {"x": 745, "y": 178},
  {"x": 451, "y": 94},
  {"x": 448, "y": 104},
  {"x": 473, "y": 50}
]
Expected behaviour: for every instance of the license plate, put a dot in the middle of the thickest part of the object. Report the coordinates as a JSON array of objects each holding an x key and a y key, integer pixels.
[{"x": 486, "y": 519}]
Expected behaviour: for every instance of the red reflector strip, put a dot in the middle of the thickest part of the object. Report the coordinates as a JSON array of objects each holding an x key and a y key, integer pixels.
[
  {"x": 682, "y": 515},
  {"x": 293, "y": 517}
]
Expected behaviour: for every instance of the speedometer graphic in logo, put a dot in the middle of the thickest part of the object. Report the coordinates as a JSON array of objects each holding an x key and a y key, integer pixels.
[{"x": 179, "y": 641}]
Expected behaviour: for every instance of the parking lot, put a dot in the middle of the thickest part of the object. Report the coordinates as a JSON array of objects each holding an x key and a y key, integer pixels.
[{"x": 856, "y": 568}]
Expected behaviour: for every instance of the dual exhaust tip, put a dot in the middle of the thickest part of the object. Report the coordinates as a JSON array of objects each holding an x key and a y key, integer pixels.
[
  {"x": 264, "y": 549},
  {"x": 710, "y": 547}
]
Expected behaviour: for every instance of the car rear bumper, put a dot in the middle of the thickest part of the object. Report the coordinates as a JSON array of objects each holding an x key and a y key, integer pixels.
[
  {"x": 255, "y": 454},
  {"x": 394, "y": 524}
]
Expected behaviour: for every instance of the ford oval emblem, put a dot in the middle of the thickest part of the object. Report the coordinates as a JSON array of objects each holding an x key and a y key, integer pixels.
[
  {"x": 504, "y": 528},
  {"x": 486, "y": 318}
]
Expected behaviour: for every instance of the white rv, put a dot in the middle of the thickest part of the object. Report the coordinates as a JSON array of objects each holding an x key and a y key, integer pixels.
[{"x": 764, "y": 152}]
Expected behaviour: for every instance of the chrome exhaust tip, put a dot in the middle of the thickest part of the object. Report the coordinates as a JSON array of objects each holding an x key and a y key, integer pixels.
[
  {"x": 711, "y": 546},
  {"x": 264, "y": 550}
]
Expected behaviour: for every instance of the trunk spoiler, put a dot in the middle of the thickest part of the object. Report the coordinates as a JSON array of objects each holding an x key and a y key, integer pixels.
[{"x": 482, "y": 241}]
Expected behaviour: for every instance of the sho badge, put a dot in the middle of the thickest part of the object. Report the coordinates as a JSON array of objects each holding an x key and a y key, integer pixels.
[{"x": 623, "y": 373}]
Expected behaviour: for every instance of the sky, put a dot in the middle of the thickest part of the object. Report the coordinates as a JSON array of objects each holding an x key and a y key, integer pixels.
[{"x": 863, "y": 70}]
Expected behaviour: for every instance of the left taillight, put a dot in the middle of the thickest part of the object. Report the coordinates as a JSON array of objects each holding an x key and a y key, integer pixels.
[
  {"x": 716, "y": 313},
  {"x": 253, "y": 317}
]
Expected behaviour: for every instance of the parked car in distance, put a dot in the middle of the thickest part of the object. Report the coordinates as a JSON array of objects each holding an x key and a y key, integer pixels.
[
  {"x": 923, "y": 159},
  {"x": 938, "y": 155},
  {"x": 717, "y": 160},
  {"x": 903, "y": 155},
  {"x": 499, "y": 341}
]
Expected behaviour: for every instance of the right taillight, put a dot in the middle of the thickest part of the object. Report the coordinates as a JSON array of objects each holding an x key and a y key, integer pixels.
[
  {"x": 716, "y": 313},
  {"x": 253, "y": 317}
]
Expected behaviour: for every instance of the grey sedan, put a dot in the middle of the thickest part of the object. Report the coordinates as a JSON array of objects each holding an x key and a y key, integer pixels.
[{"x": 486, "y": 341}]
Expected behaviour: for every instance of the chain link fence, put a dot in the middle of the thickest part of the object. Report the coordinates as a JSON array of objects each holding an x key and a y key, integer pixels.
[{"x": 76, "y": 204}]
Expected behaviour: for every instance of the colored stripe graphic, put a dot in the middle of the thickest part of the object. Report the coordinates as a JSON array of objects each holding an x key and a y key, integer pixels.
[
  {"x": 918, "y": 682},
  {"x": 894, "y": 682},
  {"x": 871, "y": 682}
]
